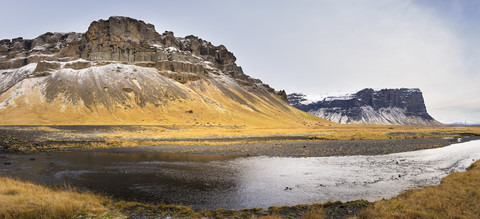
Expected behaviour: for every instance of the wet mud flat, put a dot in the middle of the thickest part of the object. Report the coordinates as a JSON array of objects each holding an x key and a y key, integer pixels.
[
  {"x": 65, "y": 133},
  {"x": 305, "y": 148},
  {"x": 30, "y": 138},
  {"x": 74, "y": 137}
]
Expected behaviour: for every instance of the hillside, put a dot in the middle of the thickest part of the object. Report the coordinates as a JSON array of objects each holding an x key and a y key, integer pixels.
[{"x": 121, "y": 71}]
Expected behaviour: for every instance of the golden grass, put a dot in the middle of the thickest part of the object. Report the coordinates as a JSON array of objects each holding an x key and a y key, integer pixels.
[
  {"x": 337, "y": 132},
  {"x": 267, "y": 217},
  {"x": 458, "y": 196},
  {"x": 123, "y": 136},
  {"x": 314, "y": 214},
  {"x": 26, "y": 200},
  {"x": 318, "y": 132}
]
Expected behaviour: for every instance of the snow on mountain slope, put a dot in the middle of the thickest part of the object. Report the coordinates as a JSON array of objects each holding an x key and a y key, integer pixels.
[{"x": 368, "y": 106}]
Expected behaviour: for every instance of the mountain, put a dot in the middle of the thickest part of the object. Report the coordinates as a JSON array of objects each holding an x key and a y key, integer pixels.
[
  {"x": 463, "y": 124},
  {"x": 380, "y": 107},
  {"x": 121, "y": 71}
]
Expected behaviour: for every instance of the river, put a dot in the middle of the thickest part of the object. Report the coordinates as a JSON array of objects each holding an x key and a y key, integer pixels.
[{"x": 208, "y": 182}]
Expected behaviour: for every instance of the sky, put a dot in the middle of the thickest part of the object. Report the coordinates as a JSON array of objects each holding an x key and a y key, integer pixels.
[{"x": 308, "y": 46}]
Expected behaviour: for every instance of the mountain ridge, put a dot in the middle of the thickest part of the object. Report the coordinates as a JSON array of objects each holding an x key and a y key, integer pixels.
[{"x": 378, "y": 107}]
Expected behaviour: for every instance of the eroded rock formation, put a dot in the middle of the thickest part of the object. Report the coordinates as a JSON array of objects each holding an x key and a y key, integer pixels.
[{"x": 122, "y": 68}]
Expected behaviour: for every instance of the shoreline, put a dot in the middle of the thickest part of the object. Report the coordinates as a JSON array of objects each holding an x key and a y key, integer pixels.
[
  {"x": 309, "y": 148},
  {"x": 227, "y": 140}
]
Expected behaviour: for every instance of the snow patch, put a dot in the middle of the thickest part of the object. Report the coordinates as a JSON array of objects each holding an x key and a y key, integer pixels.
[
  {"x": 194, "y": 56},
  {"x": 31, "y": 56},
  {"x": 9, "y": 77},
  {"x": 172, "y": 49},
  {"x": 344, "y": 95},
  {"x": 368, "y": 115},
  {"x": 329, "y": 96},
  {"x": 157, "y": 46},
  {"x": 39, "y": 48},
  {"x": 10, "y": 101}
]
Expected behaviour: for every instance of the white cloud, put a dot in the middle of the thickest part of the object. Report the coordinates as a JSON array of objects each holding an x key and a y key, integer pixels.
[{"x": 350, "y": 45}]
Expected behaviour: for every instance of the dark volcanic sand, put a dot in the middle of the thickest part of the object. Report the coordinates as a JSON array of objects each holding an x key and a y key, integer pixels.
[{"x": 298, "y": 148}]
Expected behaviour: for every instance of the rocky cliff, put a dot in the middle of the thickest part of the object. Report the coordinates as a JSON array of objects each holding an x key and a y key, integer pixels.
[
  {"x": 382, "y": 107},
  {"x": 121, "y": 71}
]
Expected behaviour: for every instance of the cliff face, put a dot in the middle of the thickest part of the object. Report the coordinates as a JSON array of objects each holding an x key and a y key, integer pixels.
[
  {"x": 383, "y": 107},
  {"x": 121, "y": 71}
]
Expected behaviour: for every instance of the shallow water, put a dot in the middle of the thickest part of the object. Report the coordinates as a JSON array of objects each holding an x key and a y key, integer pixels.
[{"x": 242, "y": 182}]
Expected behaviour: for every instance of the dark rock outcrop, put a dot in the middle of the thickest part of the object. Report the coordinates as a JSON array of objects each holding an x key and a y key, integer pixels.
[{"x": 387, "y": 106}]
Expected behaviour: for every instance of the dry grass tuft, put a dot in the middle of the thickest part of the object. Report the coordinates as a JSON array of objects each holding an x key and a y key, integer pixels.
[
  {"x": 26, "y": 200},
  {"x": 267, "y": 217},
  {"x": 317, "y": 213},
  {"x": 458, "y": 196}
]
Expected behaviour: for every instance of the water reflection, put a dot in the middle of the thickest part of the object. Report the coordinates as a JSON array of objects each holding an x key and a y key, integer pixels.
[{"x": 241, "y": 182}]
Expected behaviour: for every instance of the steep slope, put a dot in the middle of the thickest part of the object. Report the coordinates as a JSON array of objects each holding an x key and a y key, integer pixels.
[
  {"x": 121, "y": 71},
  {"x": 383, "y": 107}
]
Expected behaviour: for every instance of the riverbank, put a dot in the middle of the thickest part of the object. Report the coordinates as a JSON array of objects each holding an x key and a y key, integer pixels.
[
  {"x": 310, "y": 148},
  {"x": 347, "y": 139},
  {"x": 27, "y": 200},
  {"x": 456, "y": 197}
]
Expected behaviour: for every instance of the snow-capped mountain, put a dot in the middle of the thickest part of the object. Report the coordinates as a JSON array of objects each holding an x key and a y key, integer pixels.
[{"x": 381, "y": 107}]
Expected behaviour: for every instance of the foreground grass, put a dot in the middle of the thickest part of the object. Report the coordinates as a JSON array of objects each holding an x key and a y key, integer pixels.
[
  {"x": 458, "y": 196},
  {"x": 27, "y": 200}
]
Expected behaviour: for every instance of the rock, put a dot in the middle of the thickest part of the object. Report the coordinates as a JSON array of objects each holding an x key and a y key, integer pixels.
[
  {"x": 78, "y": 65},
  {"x": 283, "y": 95},
  {"x": 386, "y": 107},
  {"x": 127, "y": 89},
  {"x": 43, "y": 68},
  {"x": 122, "y": 63}
]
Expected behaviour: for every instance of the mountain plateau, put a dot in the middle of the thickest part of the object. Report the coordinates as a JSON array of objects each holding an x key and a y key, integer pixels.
[{"x": 374, "y": 107}]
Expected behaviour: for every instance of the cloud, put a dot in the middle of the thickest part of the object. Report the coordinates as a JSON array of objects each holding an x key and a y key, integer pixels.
[
  {"x": 351, "y": 45},
  {"x": 312, "y": 46}
]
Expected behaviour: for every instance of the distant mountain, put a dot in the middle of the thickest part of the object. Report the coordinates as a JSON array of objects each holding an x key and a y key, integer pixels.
[
  {"x": 463, "y": 123},
  {"x": 382, "y": 107},
  {"x": 121, "y": 71}
]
